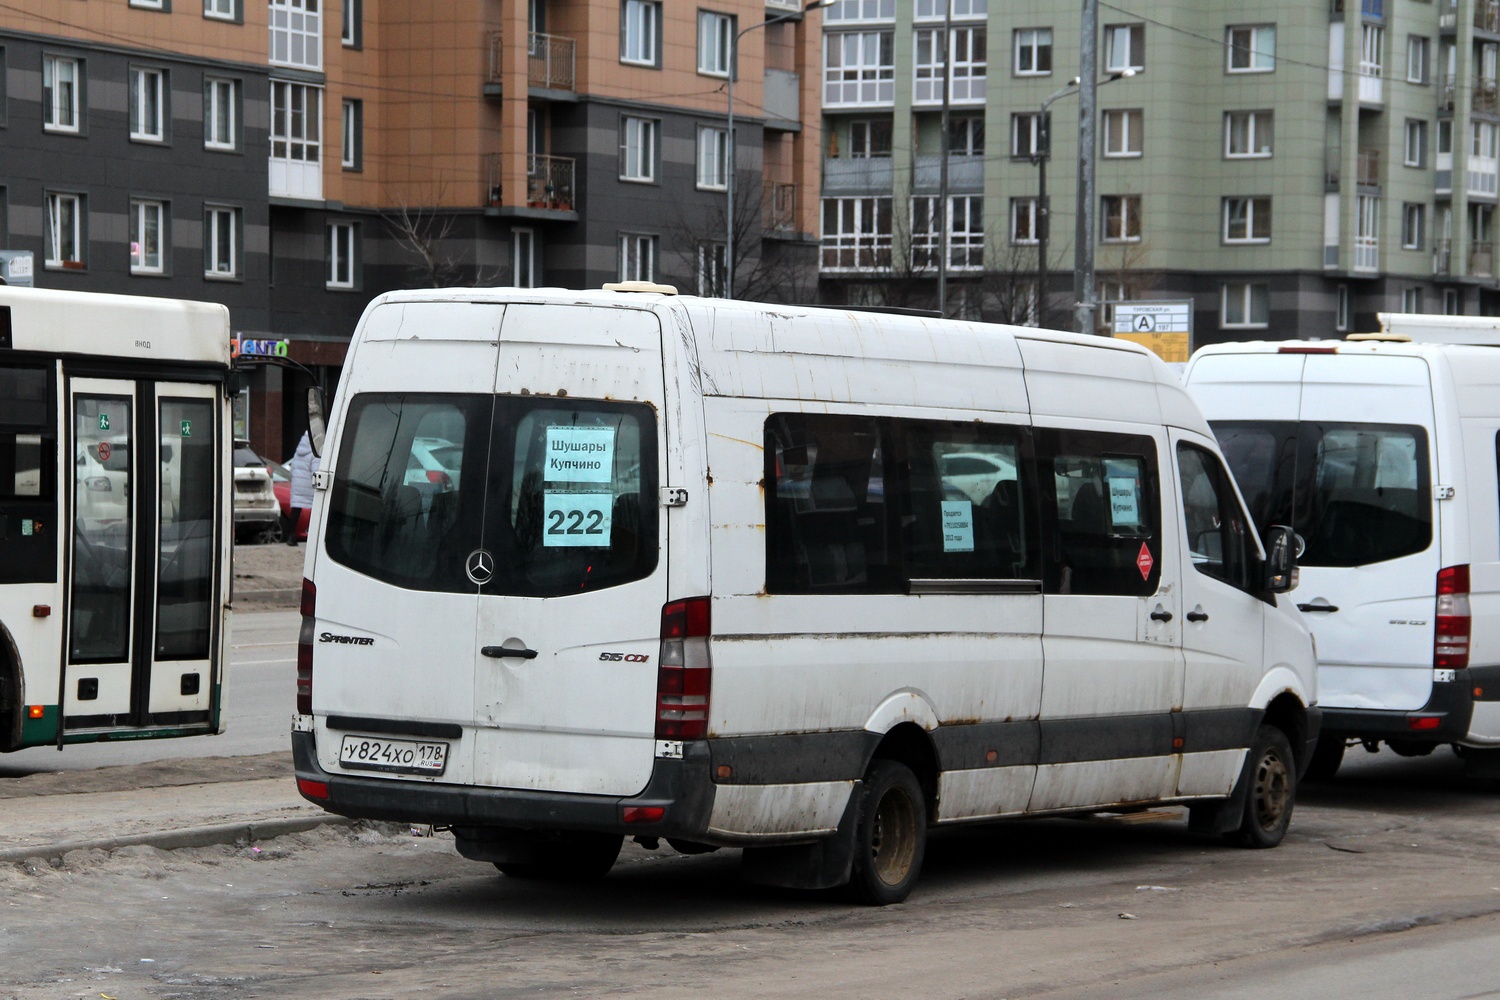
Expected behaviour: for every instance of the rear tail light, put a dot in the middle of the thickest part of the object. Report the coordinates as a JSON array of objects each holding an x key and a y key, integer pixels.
[
  {"x": 438, "y": 477},
  {"x": 684, "y": 671},
  {"x": 1450, "y": 638},
  {"x": 305, "y": 648},
  {"x": 312, "y": 789}
]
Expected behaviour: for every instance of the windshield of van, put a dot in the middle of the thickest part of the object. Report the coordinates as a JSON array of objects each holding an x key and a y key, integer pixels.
[
  {"x": 1357, "y": 493},
  {"x": 562, "y": 494}
]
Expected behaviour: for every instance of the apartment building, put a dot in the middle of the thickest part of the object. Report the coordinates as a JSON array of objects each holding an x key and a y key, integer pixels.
[
  {"x": 294, "y": 158},
  {"x": 1290, "y": 167}
]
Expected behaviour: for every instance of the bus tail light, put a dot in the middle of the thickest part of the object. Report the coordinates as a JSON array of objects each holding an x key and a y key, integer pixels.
[
  {"x": 684, "y": 672},
  {"x": 305, "y": 648},
  {"x": 1450, "y": 637}
]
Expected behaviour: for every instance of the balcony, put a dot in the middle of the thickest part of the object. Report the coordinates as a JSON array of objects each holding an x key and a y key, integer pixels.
[
  {"x": 779, "y": 208},
  {"x": 1367, "y": 169},
  {"x": 858, "y": 175},
  {"x": 1366, "y": 253},
  {"x": 1481, "y": 260},
  {"x": 783, "y": 91},
  {"x": 965, "y": 174},
  {"x": 549, "y": 182},
  {"x": 1367, "y": 8},
  {"x": 549, "y": 62},
  {"x": 1442, "y": 258},
  {"x": 1486, "y": 16},
  {"x": 1485, "y": 95}
]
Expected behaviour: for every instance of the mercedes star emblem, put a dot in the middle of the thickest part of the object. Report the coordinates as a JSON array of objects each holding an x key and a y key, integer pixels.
[{"x": 480, "y": 566}]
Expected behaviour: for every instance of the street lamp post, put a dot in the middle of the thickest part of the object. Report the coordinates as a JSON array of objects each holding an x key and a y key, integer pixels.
[
  {"x": 734, "y": 49},
  {"x": 1043, "y": 215}
]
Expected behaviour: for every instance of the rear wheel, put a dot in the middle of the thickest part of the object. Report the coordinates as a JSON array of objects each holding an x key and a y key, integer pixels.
[
  {"x": 891, "y": 835},
  {"x": 1326, "y": 758},
  {"x": 1272, "y": 791},
  {"x": 574, "y": 857}
]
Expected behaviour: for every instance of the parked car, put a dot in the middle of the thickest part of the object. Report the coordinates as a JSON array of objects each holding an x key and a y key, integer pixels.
[
  {"x": 281, "y": 483},
  {"x": 256, "y": 515},
  {"x": 975, "y": 473}
]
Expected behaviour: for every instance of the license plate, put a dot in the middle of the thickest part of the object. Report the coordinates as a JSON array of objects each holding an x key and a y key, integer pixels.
[{"x": 371, "y": 753}]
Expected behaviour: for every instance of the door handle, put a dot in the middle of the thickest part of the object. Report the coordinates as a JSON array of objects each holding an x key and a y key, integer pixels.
[
  {"x": 1325, "y": 608},
  {"x": 1161, "y": 614},
  {"x": 503, "y": 651},
  {"x": 1197, "y": 615}
]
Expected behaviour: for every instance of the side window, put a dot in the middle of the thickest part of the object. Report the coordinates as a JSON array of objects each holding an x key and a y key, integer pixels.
[
  {"x": 1218, "y": 533},
  {"x": 401, "y": 509},
  {"x": 1369, "y": 494},
  {"x": 28, "y": 438},
  {"x": 1262, "y": 456},
  {"x": 1102, "y": 500},
  {"x": 965, "y": 514}
]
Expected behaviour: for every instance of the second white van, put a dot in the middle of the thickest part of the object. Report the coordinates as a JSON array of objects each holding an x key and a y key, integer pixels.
[{"x": 795, "y": 581}]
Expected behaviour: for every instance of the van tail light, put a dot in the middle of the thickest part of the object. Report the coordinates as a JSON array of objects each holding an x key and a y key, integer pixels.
[
  {"x": 684, "y": 671},
  {"x": 438, "y": 477},
  {"x": 305, "y": 648},
  {"x": 1450, "y": 639}
]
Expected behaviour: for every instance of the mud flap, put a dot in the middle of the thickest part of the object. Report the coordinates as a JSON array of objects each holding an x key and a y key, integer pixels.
[
  {"x": 822, "y": 864},
  {"x": 1214, "y": 818}
]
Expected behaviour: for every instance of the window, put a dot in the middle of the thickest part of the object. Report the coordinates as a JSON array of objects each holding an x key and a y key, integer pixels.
[
  {"x": 61, "y": 79},
  {"x": 1252, "y": 49},
  {"x": 1341, "y": 308},
  {"x": 1218, "y": 532},
  {"x": 1033, "y": 52},
  {"x": 1024, "y": 221},
  {"x": 1451, "y": 304},
  {"x": 715, "y": 40},
  {"x": 1026, "y": 135},
  {"x": 28, "y": 445},
  {"x": 1246, "y": 304},
  {"x": 296, "y": 33},
  {"x": 966, "y": 135},
  {"x": 149, "y": 4},
  {"x": 353, "y": 145},
  {"x": 967, "y": 66},
  {"x": 147, "y": 105},
  {"x": 296, "y": 110},
  {"x": 856, "y": 234},
  {"x": 222, "y": 10},
  {"x": 1247, "y": 220},
  {"x": 64, "y": 230},
  {"x": 965, "y": 232},
  {"x": 929, "y": 9},
  {"x": 341, "y": 251},
  {"x": 387, "y": 519},
  {"x": 637, "y": 257},
  {"x": 1124, "y": 47},
  {"x": 221, "y": 242},
  {"x": 1372, "y": 50},
  {"x": 859, "y": 67},
  {"x": 1120, "y": 216},
  {"x": 861, "y": 10},
  {"x": 525, "y": 268},
  {"x": 1418, "y": 58},
  {"x": 870, "y": 138},
  {"x": 148, "y": 228},
  {"x": 640, "y": 31},
  {"x": 1101, "y": 506},
  {"x": 1248, "y": 133},
  {"x": 638, "y": 149},
  {"x": 713, "y": 158},
  {"x": 862, "y": 505},
  {"x": 1415, "y": 150},
  {"x": 351, "y": 30},
  {"x": 220, "y": 113},
  {"x": 1123, "y": 132},
  {"x": 1413, "y": 225},
  {"x": 1444, "y": 136},
  {"x": 712, "y": 269}
]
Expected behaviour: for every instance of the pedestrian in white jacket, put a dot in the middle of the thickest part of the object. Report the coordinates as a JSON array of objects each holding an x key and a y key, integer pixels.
[{"x": 302, "y": 466}]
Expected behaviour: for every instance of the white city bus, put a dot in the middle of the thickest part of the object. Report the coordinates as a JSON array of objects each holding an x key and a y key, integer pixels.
[{"x": 114, "y": 517}]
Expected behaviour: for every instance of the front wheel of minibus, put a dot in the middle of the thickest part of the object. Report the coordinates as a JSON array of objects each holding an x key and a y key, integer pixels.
[
  {"x": 890, "y": 836},
  {"x": 1272, "y": 791}
]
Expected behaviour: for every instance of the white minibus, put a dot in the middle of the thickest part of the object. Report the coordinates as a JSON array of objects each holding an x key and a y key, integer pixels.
[
  {"x": 720, "y": 574},
  {"x": 1382, "y": 455},
  {"x": 115, "y": 506}
]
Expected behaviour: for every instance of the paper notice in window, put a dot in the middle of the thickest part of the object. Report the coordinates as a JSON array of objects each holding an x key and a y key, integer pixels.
[
  {"x": 577, "y": 519},
  {"x": 580, "y": 454},
  {"x": 1124, "y": 506},
  {"x": 958, "y": 526}
]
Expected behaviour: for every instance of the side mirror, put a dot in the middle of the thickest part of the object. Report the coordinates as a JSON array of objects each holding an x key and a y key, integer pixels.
[
  {"x": 317, "y": 424},
  {"x": 1282, "y": 548}
]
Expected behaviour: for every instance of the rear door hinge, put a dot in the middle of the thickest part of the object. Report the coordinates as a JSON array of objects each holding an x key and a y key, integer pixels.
[
  {"x": 1442, "y": 492},
  {"x": 673, "y": 496},
  {"x": 321, "y": 480}
]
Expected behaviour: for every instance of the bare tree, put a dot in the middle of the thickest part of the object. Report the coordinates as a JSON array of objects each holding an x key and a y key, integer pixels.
[
  {"x": 764, "y": 270},
  {"x": 428, "y": 235},
  {"x": 1129, "y": 275}
]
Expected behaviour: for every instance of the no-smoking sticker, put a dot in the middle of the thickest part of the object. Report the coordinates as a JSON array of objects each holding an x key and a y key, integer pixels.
[
  {"x": 1145, "y": 562},
  {"x": 104, "y": 451}
]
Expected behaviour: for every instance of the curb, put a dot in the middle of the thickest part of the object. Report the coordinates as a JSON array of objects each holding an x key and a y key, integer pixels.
[{"x": 193, "y": 836}]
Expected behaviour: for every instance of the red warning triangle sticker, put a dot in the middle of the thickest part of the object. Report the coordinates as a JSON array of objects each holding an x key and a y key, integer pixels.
[{"x": 1145, "y": 562}]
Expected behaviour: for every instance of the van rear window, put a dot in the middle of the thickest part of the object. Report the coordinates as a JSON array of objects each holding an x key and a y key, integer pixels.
[{"x": 562, "y": 495}]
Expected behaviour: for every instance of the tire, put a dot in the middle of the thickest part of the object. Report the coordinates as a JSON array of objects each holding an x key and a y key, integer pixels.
[
  {"x": 271, "y": 534},
  {"x": 576, "y": 857},
  {"x": 1272, "y": 774},
  {"x": 1326, "y": 758},
  {"x": 890, "y": 835}
]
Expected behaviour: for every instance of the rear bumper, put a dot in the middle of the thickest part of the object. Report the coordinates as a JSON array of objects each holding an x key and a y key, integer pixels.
[
  {"x": 682, "y": 787},
  {"x": 254, "y": 515},
  {"x": 1444, "y": 719}
]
